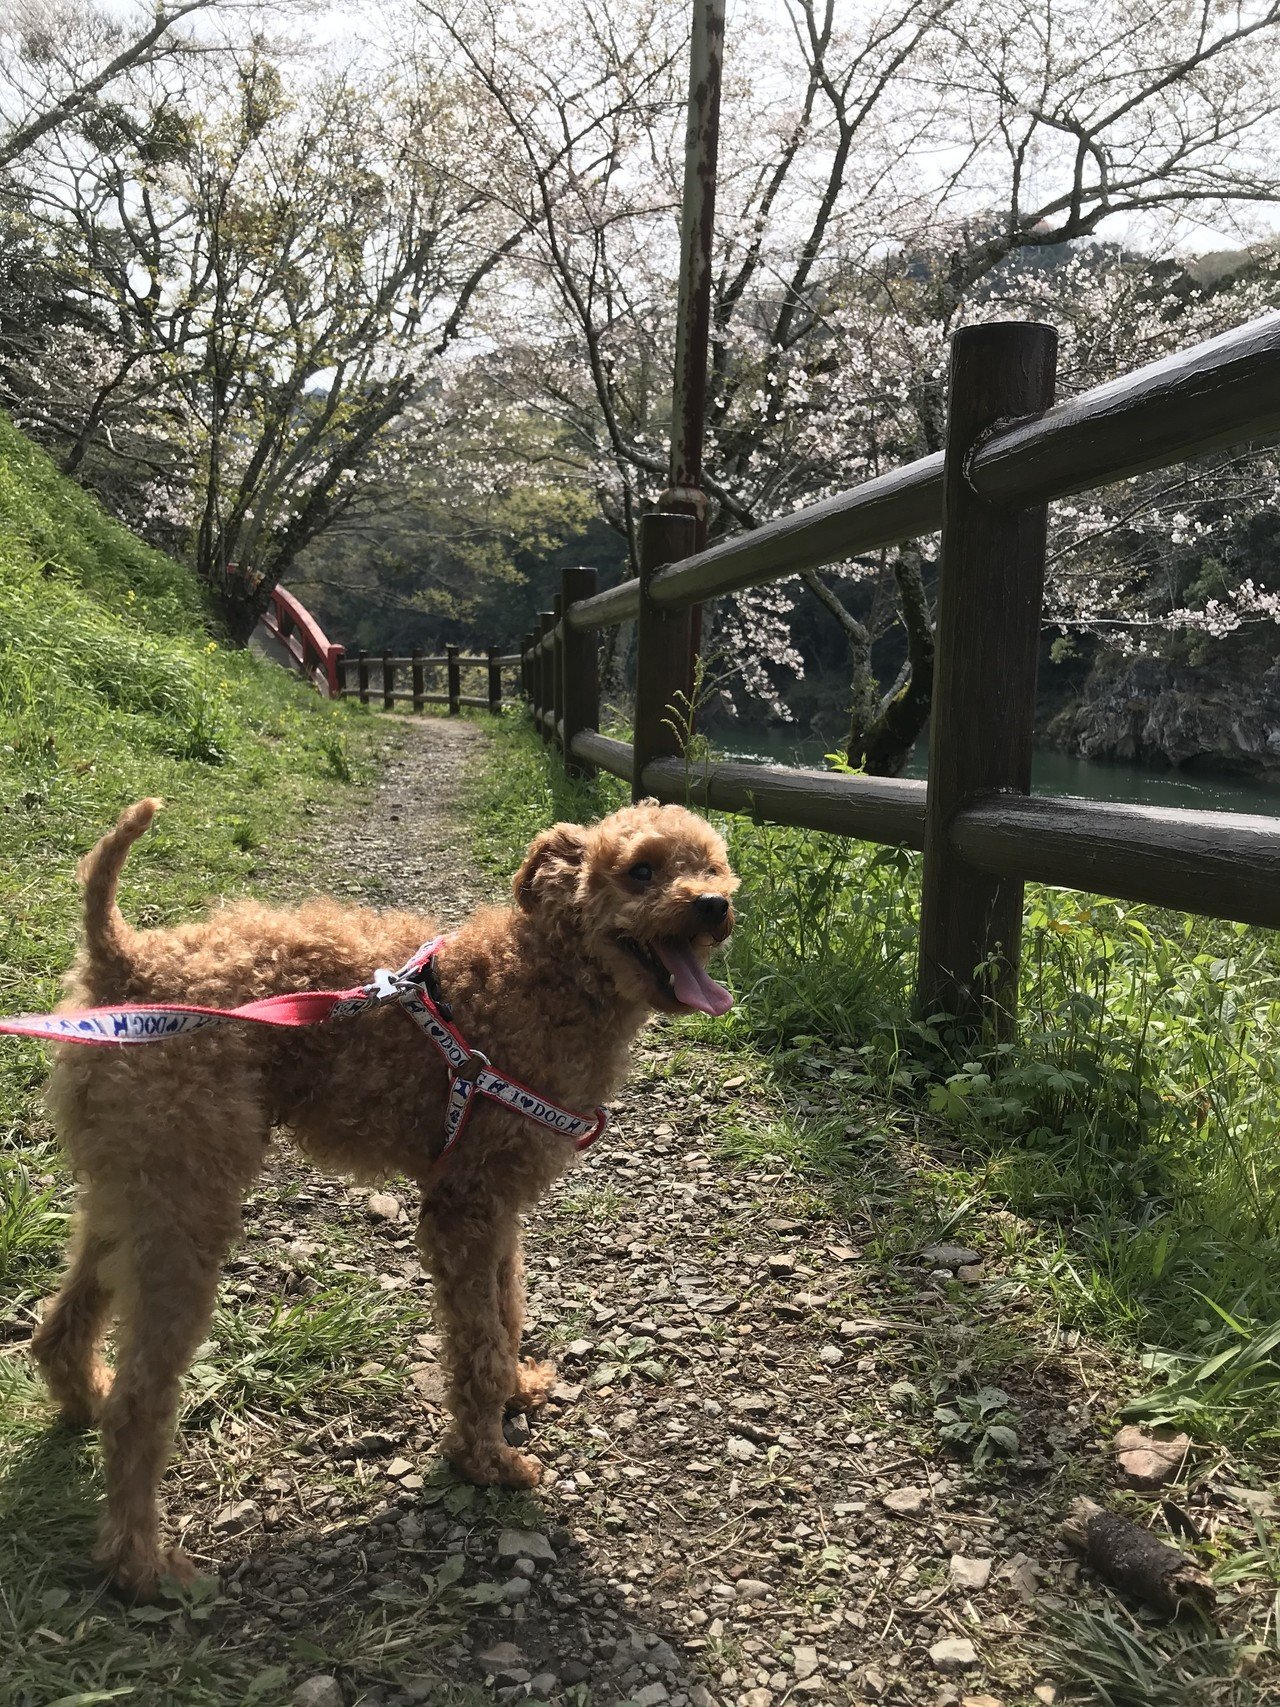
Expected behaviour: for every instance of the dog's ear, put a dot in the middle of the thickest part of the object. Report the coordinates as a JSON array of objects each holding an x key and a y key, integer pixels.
[{"x": 553, "y": 861}]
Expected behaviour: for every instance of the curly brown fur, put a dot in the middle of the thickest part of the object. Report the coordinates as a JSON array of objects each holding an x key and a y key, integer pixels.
[{"x": 167, "y": 1140}]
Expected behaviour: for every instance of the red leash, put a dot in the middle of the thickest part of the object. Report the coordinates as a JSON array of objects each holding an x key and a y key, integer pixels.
[{"x": 470, "y": 1072}]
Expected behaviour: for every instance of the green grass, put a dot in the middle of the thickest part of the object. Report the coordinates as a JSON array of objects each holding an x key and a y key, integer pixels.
[{"x": 1123, "y": 1149}]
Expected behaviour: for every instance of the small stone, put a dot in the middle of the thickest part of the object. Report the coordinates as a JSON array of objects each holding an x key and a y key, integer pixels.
[
  {"x": 949, "y": 1256},
  {"x": 567, "y": 1392},
  {"x": 756, "y": 1698},
  {"x": 516, "y": 1591},
  {"x": 398, "y": 1467},
  {"x": 235, "y": 1519},
  {"x": 1146, "y": 1461},
  {"x": 574, "y": 1671},
  {"x": 652, "y": 1695},
  {"x": 318, "y": 1692},
  {"x": 505, "y": 1661},
  {"x": 525, "y": 1567},
  {"x": 1046, "y": 1693},
  {"x": 579, "y": 1348},
  {"x": 906, "y": 1502},
  {"x": 969, "y": 1574},
  {"x": 751, "y": 1588},
  {"x": 940, "y": 1274},
  {"x": 741, "y": 1448},
  {"x": 544, "y": 1685},
  {"x": 428, "y": 1384},
  {"x": 831, "y": 1355},
  {"x": 804, "y": 1662},
  {"x": 980, "y": 1701},
  {"x": 383, "y": 1207},
  {"x": 525, "y": 1544},
  {"x": 970, "y": 1272},
  {"x": 873, "y": 1683},
  {"x": 781, "y": 1266},
  {"x": 515, "y": 1429},
  {"x": 954, "y": 1653}
]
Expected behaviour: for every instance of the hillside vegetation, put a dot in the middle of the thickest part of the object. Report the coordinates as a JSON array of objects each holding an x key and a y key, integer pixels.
[{"x": 111, "y": 687}]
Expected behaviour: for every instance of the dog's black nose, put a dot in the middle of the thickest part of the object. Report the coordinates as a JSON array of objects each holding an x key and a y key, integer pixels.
[{"x": 713, "y": 908}]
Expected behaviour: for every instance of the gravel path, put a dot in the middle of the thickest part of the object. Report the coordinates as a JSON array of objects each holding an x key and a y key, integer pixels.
[{"x": 738, "y": 1507}]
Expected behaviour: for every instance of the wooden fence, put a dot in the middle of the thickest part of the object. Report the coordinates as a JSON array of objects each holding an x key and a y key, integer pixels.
[
  {"x": 1010, "y": 451},
  {"x": 413, "y": 669}
]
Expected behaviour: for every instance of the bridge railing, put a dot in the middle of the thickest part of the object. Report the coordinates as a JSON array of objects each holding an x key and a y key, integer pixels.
[
  {"x": 288, "y": 621},
  {"x": 1010, "y": 451}
]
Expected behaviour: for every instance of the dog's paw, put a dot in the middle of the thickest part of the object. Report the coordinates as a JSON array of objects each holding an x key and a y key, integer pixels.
[
  {"x": 83, "y": 1408},
  {"x": 534, "y": 1382},
  {"x": 138, "y": 1570},
  {"x": 496, "y": 1466}
]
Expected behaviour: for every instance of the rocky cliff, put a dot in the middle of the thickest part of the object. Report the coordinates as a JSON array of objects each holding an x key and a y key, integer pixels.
[{"x": 1222, "y": 716}]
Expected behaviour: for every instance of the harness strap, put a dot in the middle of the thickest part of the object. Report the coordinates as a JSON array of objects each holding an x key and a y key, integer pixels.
[{"x": 471, "y": 1073}]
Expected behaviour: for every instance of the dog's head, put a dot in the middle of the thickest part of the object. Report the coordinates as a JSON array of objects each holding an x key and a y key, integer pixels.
[{"x": 645, "y": 893}]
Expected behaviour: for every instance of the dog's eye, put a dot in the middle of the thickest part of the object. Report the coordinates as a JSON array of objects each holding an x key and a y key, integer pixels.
[{"x": 641, "y": 872}]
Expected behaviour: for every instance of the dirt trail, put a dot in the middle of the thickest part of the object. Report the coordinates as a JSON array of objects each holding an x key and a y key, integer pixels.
[{"x": 713, "y": 1525}]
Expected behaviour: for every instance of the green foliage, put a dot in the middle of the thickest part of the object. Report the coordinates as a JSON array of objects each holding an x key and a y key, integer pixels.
[
  {"x": 980, "y": 1424},
  {"x": 1108, "y": 1658}
]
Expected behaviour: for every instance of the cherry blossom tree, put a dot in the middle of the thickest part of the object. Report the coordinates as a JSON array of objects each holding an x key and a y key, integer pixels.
[{"x": 887, "y": 174}]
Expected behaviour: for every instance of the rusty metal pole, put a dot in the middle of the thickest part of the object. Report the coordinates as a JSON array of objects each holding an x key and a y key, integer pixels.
[{"x": 693, "y": 319}]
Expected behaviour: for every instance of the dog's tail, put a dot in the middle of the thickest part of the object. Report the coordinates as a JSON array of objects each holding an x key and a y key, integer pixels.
[{"x": 107, "y": 936}]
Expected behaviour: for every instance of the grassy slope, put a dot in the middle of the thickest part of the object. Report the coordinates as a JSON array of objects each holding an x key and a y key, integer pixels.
[{"x": 110, "y": 688}]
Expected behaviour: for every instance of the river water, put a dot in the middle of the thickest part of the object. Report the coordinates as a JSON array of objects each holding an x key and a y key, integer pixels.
[{"x": 1052, "y": 772}]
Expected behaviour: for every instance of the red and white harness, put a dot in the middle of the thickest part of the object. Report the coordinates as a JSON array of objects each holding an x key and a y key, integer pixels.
[{"x": 414, "y": 987}]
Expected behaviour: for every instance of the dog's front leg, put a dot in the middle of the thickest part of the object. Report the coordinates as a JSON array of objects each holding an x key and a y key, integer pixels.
[
  {"x": 534, "y": 1380},
  {"x": 466, "y": 1243}
]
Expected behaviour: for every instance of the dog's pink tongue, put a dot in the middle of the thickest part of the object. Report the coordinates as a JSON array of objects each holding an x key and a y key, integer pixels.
[{"x": 693, "y": 987}]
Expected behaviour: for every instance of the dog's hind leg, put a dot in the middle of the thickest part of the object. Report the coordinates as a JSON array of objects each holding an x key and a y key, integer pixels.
[
  {"x": 534, "y": 1380},
  {"x": 167, "y": 1264},
  {"x": 66, "y": 1343},
  {"x": 464, "y": 1245},
  {"x": 172, "y": 1225}
]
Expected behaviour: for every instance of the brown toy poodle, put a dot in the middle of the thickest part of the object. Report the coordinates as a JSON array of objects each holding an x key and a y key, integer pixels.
[{"x": 612, "y": 922}]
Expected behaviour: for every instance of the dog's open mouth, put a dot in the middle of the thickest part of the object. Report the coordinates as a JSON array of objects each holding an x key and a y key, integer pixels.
[{"x": 677, "y": 971}]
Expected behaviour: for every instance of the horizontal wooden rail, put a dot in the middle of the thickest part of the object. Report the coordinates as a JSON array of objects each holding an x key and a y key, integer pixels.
[
  {"x": 605, "y": 610},
  {"x": 874, "y": 809},
  {"x": 1225, "y": 391},
  {"x": 1224, "y": 864},
  {"x": 602, "y": 752}
]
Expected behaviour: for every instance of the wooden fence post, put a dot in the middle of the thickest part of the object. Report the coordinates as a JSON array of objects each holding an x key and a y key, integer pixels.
[
  {"x": 557, "y": 673},
  {"x": 340, "y": 675},
  {"x": 495, "y": 681},
  {"x": 388, "y": 682},
  {"x": 362, "y": 676},
  {"x": 455, "y": 678},
  {"x": 546, "y": 697},
  {"x": 581, "y": 666},
  {"x": 535, "y": 676},
  {"x": 526, "y": 667},
  {"x": 419, "y": 679},
  {"x": 991, "y": 581},
  {"x": 664, "y": 655}
]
